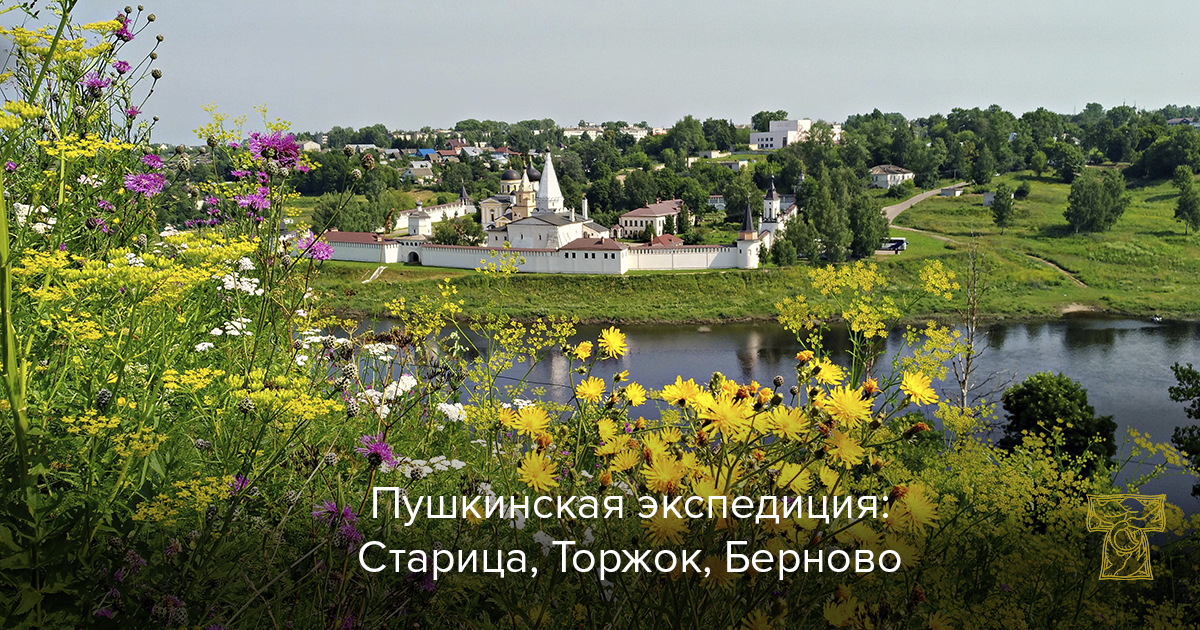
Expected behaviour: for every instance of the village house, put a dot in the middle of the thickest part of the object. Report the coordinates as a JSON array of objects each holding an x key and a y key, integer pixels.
[
  {"x": 636, "y": 221},
  {"x": 888, "y": 175}
]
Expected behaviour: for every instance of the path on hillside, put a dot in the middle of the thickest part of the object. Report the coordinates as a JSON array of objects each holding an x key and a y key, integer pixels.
[
  {"x": 1077, "y": 281},
  {"x": 894, "y": 210}
]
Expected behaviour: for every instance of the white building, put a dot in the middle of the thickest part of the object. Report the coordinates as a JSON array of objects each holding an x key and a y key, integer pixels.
[
  {"x": 586, "y": 254},
  {"x": 655, "y": 214},
  {"x": 888, "y": 175},
  {"x": 778, "y": 211},
  {"x": 420, "y": 221},
  {"x": 309, "y": 145},
  {"x": 781, "y": 133}
]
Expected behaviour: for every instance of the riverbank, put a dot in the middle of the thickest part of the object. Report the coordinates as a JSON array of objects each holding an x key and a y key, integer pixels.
[{"x": 1036, "y": 271}]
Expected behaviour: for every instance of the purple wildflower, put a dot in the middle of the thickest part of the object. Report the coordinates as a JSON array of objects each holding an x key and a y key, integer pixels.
[
  {"x": 212, "y": 202},
  {"x": 148, "y": 184},
  {"x": 376, "y": 450},
  {"x": 257, "y": 201},
  {"x": 94, "y": 82},
  {"x": 10, "y": 166},
  {"x": 123, "y": 33},
  {"x": 232, "y": 145},
  {"x": 348, "y": 536},
  {"x": 303, "y": 168},
  {"x": 132, "y": 112},
  {"x": 104, "y": 205},
  {"x": 263, "y": 178},
  {"x": 327, "y": 512},
  {"x": 121, "y": 66},
  {"x": 238, "y": 174},
  {"x": 107, "y": 613},
  {"x": 314, "y": 249},
  {"x": 276, "y": 146},
  {"x": 152, "y": 160},
  {"x": 62, "y": 247},
  {"x": 238, "y": 484}
]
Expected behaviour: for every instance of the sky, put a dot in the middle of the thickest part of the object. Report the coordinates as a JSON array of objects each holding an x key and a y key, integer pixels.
[{"x": 414, "y": 64}]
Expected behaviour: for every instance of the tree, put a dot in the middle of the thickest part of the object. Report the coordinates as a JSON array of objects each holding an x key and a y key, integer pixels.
[
  {"x": 1187, "y": 209},
  {"x": 783, "y": 253},
  {"x": 1045, "y": 401},
  {"x": 640, "y": 188},
  {"x": 669, "y": 225},
  {"x": 695, "y": 200},
  {"x": 1096, "y": 201},
  {"x": 457, "y": 231},
  {"x": 762, "y": 120},
  {"x": 1038, "y": 162},
  {"x": 868, "y": 225},
  {"x": 1023, "y": 190},
  {"x": 1002, "y": 207},
  {"x": 1187, "y": 439},
  {"x": 649, "y": 233},
  {"x": 831, "y": 222},
  {"x": 984, "y": 168},
  {"x": 1068, "y": 159}
]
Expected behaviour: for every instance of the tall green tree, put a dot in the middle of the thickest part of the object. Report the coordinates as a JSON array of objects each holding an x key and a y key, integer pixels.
[
  {"x": 1096, "y": 201},
  {"x": 868, "y": 225},
  {"x": 984, "y": 168},
  {"x": 1045, "y": 401},
  {"x": 1187, "y": 208},
  {"x": 1038, "y": 162},
  {"x": 1187, "y": 439},
  {"x": 831, "y": 222},
  {"x": 1002, "y": 208},
  {"x": 762, "y": 120}
]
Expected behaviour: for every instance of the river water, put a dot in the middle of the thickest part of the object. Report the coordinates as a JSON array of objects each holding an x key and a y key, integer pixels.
[{"x": 1125, "y": 365}]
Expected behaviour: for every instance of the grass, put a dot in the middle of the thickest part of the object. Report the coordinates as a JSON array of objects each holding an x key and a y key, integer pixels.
[{"x": 1144, "y": 265}]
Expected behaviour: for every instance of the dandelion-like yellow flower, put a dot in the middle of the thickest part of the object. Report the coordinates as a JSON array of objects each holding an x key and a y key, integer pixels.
[
  {"x": 728, "y": 416},
  {"x": 788, "y": 423},
  {"x": 845, "y": 449},
  {"x": 840, "y": 614},
  {"x": 848, "y": 406},
  {"x": 537, "y": 472},
  {"x": 590, "y": 390},
  {"x": 938, "y": 621},
  {"x": 681, "y": 393},
  {"x": 827, "y": 372},
  {"x": 583, "y": 350},
  {"x": 607, "y": 429},
  {"x": 919, "y": 388},
  {"x": 794, "y": 476},
  {"x": 635, "y": 394},
  {"x": 665, "y": 529},
  {"x": 917, "y": 508},
  {"x": 758, "y": 620},
  {"x": 531, "y": 421},
  {"x": 625, "y": 460},
  {"x": 663, "y": 476},
  {"x": 612, "y": 342}
]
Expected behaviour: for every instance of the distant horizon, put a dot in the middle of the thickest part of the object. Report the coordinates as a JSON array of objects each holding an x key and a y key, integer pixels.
[{"x": 407, "y": 65}]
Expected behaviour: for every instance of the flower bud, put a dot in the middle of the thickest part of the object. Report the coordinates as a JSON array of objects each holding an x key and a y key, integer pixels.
[
  {"x": 156, "y": 73},
  {"x": 778, "y": 381},
  {"x": 141, "y": 8},
  {"x": 352, "y": 408},
  {"x": 179, "y": 149},
  {"x": 356, "y": 174},
  {"x": 159, "y": 38},
  {"x": 245, "y": 405},
  {"x": 151, "y": 18},
  {"x": 185, "y": 165},
  {"x": 128, "y": 9},
  {"x": 912, "y": 431},
  {"x": 153, "y": 55},
  {"x": 79, "y": 111},
  {"x": 211, "y": 141},
  {"x": 368, "y": 161},
  {"x": 348, "y": 150},
  {"x": 272, "y": 168}
]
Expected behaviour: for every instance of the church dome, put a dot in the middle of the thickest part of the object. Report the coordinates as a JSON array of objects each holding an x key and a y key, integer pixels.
[
  {"x": 510, "y": 176},
  {"x": 533, "y": 173}
]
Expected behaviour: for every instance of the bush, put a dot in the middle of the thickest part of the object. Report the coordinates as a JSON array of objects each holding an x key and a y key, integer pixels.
[
  {"x": 1045, "y": 401},
  {"x": 1023, "y": 190}
]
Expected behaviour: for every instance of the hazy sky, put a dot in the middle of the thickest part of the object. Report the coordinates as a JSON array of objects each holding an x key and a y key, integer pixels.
[{"x": 410, "y": 64}]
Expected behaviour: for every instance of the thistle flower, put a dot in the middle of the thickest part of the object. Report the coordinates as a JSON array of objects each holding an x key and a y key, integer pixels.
[
  {"x": 376, "y": 451},
  {"x": 132, "y": 112},
  {"x": 10, "y": 166},
  {"x": 328, "y": 513},
  {"x": 148, "y": 184}
]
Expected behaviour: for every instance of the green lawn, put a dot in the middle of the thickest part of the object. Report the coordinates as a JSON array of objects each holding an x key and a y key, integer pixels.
[{"x": 1145, "y": 264}]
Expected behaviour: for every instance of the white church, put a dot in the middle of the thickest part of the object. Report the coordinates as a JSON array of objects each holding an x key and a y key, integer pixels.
[{"x": 529, "y": 218}]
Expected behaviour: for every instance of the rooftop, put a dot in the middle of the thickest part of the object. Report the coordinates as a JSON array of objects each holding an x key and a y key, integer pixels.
[
  {"x": 659, "y": 209},
  {"x": 335, "y": 236},
  {"x": 606, "y": 244},
  {"x": 889, "y": 169}
]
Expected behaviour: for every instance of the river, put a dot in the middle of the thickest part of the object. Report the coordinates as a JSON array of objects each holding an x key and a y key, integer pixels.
[{"x": 1125, "y": 365}]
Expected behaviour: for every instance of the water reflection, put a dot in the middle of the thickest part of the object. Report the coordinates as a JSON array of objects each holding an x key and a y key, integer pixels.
[{"x": 1124, "y": 364}]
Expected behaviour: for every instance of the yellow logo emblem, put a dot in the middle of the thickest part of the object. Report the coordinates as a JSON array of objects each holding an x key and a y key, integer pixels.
[{"x": 1125, "y": 519}]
